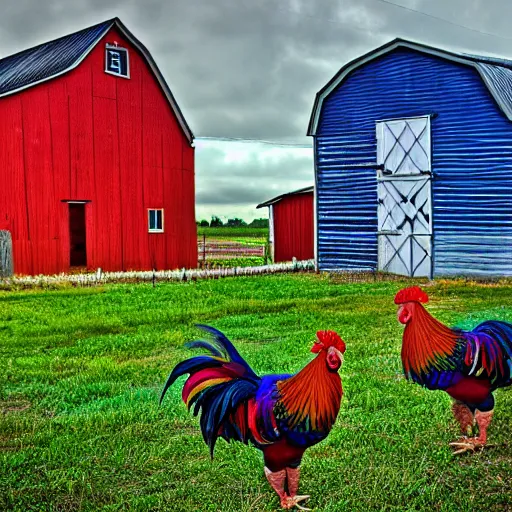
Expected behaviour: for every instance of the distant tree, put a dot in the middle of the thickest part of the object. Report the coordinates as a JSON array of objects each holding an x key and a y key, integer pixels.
[
  {"x": 259, "y": 223},
  {"x": 236, "y": 223},
  {"x": 204, "y": 223},
  {"x": 216, "y": 222}
]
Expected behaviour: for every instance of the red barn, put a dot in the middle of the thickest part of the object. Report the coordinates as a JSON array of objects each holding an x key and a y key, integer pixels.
[
  {"x": 97, "y": 158},
  {"x": 291, "y": 225}
]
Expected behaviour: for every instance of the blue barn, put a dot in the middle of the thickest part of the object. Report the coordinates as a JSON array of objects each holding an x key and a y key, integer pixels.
[{"x": 413, "y": 164}]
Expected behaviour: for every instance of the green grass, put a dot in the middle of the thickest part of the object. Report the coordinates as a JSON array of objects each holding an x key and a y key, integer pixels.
[
  {"x": 233, "y": 232},
  {"x": 81, "y": 371},
  {"x": 242, "y": 261}
]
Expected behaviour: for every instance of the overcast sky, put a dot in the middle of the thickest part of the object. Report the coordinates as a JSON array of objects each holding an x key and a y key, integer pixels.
[{"x": 250, "y": 69}]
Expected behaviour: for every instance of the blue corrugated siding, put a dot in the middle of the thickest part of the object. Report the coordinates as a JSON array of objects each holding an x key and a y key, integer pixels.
[{"x": 471, "y": 154}]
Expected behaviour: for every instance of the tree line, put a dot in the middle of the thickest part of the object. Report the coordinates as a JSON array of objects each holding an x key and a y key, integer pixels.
[{"x": 216, "y": 222}]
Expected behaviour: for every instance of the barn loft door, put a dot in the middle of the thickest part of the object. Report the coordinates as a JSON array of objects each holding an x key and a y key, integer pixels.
[{"x": 404, "y": 195}]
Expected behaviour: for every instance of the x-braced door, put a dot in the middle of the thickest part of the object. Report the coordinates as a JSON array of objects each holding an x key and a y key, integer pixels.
[{"x": 404, "y": 195}]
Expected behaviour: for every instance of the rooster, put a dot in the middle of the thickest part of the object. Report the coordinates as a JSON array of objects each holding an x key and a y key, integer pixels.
[
  {"x": 281, "y": 415},
  {"x": 468, "y": 365}
]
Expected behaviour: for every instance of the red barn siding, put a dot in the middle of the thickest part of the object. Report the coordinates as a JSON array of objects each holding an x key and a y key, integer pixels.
[
  {"x": 112, "y": 141},
  {"x": 293, "y": 227}
]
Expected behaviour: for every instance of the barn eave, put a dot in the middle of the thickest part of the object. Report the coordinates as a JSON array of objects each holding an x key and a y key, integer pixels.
[{"x": 276, "y": 199}]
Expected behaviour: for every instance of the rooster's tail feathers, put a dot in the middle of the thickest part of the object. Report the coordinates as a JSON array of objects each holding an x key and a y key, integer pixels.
[
  {"x": 500, "y": 331},
  {"x": 494, "y": 356},
  {"x": 225, "y": 411},
  {"x": 220, "y": 346},
  {"x": 221, "y": 384}
]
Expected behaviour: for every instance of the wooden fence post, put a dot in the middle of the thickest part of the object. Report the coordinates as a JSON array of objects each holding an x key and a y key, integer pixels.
[
  {"x": 6, "y": 262},
  {"x": 204, "y": 250}
]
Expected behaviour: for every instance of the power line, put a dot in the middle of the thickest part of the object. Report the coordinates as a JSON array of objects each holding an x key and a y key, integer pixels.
[
  {"x": 259, "y": 141},
  {"x": 329, "y": 20},
  {"x": 438, "y": 18},
  {"x": 399, "y": 6}
]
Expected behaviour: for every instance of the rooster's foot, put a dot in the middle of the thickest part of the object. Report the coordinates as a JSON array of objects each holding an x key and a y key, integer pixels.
[
  {"x": 467, "y": 444},
  {"x": 293, "y": 501}
]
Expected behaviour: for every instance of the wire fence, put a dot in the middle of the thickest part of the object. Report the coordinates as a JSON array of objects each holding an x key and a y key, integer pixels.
[{"x": 100, "y": 278}]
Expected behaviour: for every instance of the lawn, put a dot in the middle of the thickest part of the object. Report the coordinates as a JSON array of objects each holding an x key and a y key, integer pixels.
[{"x": 81, "y": 370}]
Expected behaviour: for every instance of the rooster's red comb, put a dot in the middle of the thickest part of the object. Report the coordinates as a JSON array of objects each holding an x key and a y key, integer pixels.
[
  {"x": 328, "y": 339},
  {"x": 411, "y": 294}
]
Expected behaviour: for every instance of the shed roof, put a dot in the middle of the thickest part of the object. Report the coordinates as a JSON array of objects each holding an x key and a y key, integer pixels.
[
  {"x": 496, "y": 73},
  {"x": 282, "y": 196},
  {"x": 54, "y": 58}
]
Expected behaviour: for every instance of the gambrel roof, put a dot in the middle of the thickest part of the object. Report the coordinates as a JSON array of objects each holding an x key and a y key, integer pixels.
[
  {"x": 495, "y": 73},
  {"x": 54, "y": 58}
]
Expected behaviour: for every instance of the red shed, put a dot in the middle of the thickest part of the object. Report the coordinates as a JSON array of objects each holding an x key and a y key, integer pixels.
[
  {"x": 291, "y": 227},
  {"x": 97, "y": 158}
]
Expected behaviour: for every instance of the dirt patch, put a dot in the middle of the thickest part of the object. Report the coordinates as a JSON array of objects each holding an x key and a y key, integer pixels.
[{"x": 14, "y": 406}]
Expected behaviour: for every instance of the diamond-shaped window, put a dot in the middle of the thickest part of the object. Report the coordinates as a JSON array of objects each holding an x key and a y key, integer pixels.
[{"x": 403, "y": 146}]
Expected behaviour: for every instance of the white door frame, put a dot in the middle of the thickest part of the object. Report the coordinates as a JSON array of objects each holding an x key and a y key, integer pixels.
[{"x": 411, "y": 253}]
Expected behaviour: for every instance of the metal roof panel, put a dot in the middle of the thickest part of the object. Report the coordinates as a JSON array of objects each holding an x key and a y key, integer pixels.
[{"x": 49, "y": 60}]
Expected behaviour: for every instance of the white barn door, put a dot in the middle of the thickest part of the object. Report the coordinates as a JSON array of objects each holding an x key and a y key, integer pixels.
[{"x": 404, "y": 197}]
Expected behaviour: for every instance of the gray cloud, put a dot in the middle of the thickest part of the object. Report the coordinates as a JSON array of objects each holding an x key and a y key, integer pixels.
[
  {"x": 250, "y": 69},
  {"x": 255, "y": 175}
]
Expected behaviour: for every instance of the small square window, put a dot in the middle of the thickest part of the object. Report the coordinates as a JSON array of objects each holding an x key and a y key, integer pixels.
[
  {"x": 156, "y": 221},
  {"x": 116, "y": 61}
]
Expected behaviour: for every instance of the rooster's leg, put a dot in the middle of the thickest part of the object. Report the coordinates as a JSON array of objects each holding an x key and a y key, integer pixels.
[
  {"x": 293, "y": 475},
  {"x": 464, "y": 416},
  {"x": 277, "y": 480},
  {"x": 483, "y": 420}
]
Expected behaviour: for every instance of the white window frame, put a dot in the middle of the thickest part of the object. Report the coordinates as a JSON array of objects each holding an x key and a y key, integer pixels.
[
  {"x": 120, "y": 49},
  {"x": 156, "y": 230}
]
